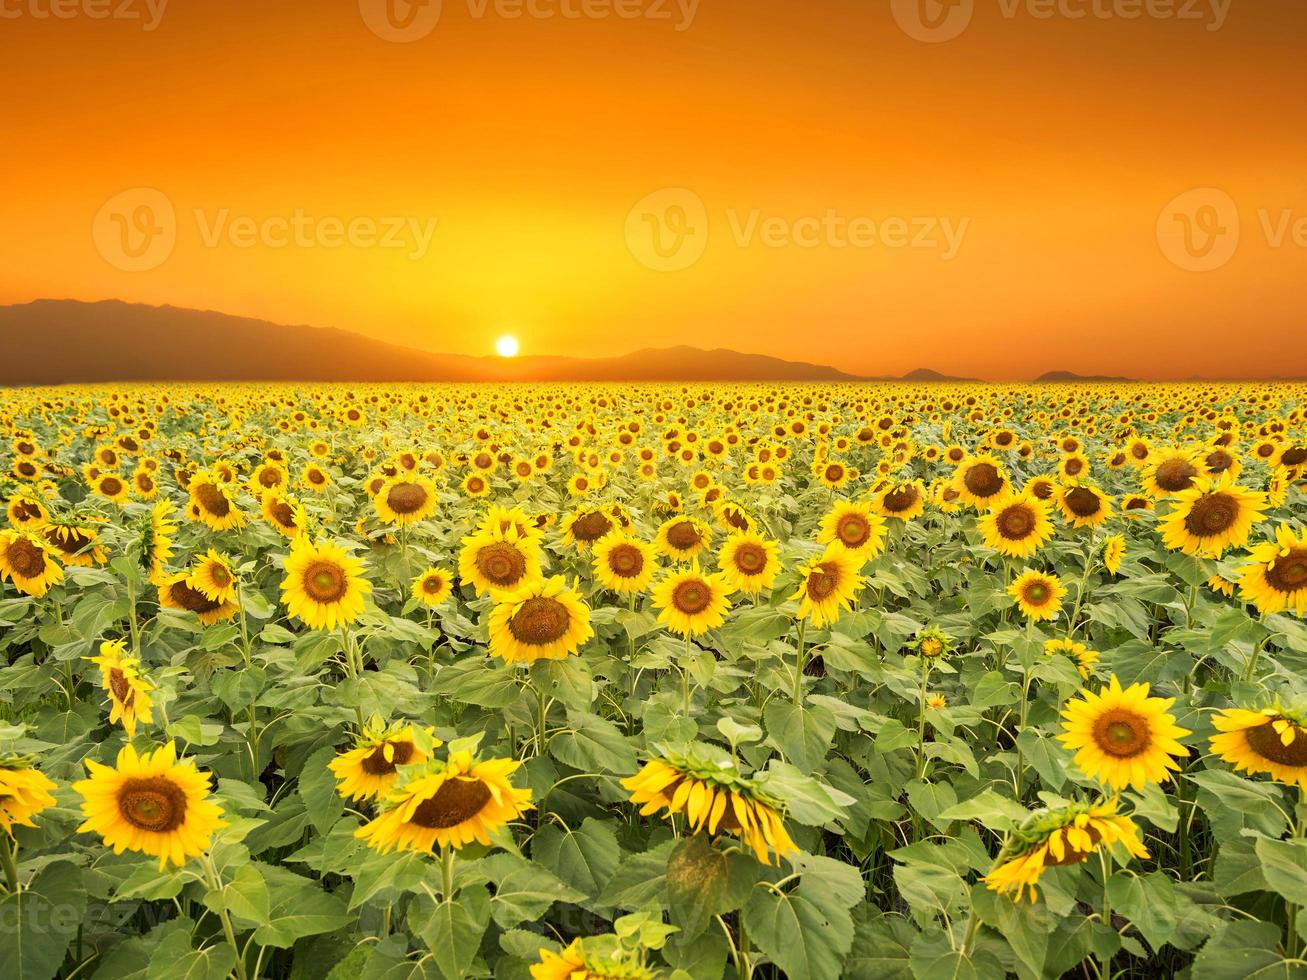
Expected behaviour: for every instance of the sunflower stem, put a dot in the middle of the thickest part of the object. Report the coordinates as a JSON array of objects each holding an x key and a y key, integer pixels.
[
  {"x": 9, "y": 858},
  {"x": 214, "y": 881},
  {"x": 685, "y": 675},
  {"x": 800, "y": 663},
  {"x": 447, "y": 872}
]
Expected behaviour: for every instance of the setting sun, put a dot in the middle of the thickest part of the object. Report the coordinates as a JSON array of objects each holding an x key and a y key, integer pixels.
[{"x": 507, "y": 347}]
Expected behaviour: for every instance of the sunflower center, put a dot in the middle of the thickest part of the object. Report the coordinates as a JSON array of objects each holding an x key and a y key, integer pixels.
[
  {"x": 1136, "y": 503},
  {"x": 155, "y": 804},
  {"x": 144, "y": 482},
  {"x": 1265, "y": 741},
  {"x": 1037, "y": 593},
  {"x": 25, "y": 558},
  {"x": 375, "y": 764},
  {"x": 1139, "y": 451},
  {"x": 626, "y": 561},
  {"x": 834, "y": 472},
  {"x": 111, "y": 485},
  {"x": 457, "y": 800},
  {"x": 983, "y": 479},
  {"x": 325, "y": 582},
  {"x": 283, "y": 514},
  {"x": 1042, "y": 489},
  {"x": 432, "y": 584},
  {"x": 1016, "y": 522},
  {"x": 1175, "y": 475},
  {"x": 900, "y": 499},
  {"x": 853, "y": 530},
  {"x": 501, "y": 564},
  {"x": 269, "y": 478},
  {"x": 27, "y": 511},
  {"x": 1219, "y": 461},
  {"x": 1122, "y": 733},
  {"x": 1289, "y": 572},
  {"x": 750, "y": 558},
  {"x": 1074, "y": 466},
  {"x": 406, "y": 498},
  {"x": 1211, "y": 515},
  {"x": 692, "y": 597},
  {"x": 683, "y": 535},
  {"x": 120, "y": 688},
  {"x": 1083, "y": 502},
  {"x": 212, "y": 499},
  {"x": 822, "y": 581},
  {"x": 192, "y": 600},
  {"x": 591, "y": 526},
  {"x": 1295, "y": 456},
  {"x": 539, "y": 621},
  {"x": 220, "y": 575}
]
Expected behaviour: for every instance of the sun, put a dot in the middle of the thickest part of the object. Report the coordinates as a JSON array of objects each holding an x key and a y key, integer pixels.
[{"x": 507, "y": 346}]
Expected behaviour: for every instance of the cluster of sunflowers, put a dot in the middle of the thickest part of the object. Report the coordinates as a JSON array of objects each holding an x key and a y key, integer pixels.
[{"x": 824, "y": 567}]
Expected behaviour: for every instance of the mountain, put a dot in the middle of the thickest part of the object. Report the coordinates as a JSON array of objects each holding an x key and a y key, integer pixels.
[
  {"x": 65, "y": 341},
  {"x": 1072, "y": 376},
  {"x": 926, "y": 374}
]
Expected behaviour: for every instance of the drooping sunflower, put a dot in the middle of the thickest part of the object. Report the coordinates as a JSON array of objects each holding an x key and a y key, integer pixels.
[
  {"x": 450, "y": 804},
  {"x": 1275, "y": 575},
  {"x": 855, "y": 526},
  {"x": 211, "y": 502},
  {"x": 150, "y": 803},
  {"x": 129, "y": 692},
  {"x": 497, "y": 561},
  {"x": 158, "y": 540},
  {"x": 75, "y": 541},
  {"x": 283, "y": 514},
  {"x": 433, "y": 586},
  {"x": 1084, "y": 505},
  {"x": 1123, "y": 737},
  {"x": 583, "y": 527},
  {"x": 176, "y": 592},
  {"x": 1056, "y": 838},
  {"x": 324, "y": 585},
  {"x": 545, "y": 620},
  {"x": 1037, "y": 594},
  {"x": 580, "y": 962},
  {"x": 1222, "y": 586},
  {"x": 1271, "y": 741},
  {"x": 828, "y": 586},
  {"x": 981, "y": 481},
  {"x": 1135, "y": 505},
  {"x": 1211, "y": 516},
  {"x": 1016, "y": 526},
  {"x": 707, "y": 786},
  {"x": 682, "y": 538},
  {"x": 28, "y": 562},
  {"x": 405, "y": 498},
  {"x": 623, "y": 563},
  {"x": 1080, "y": 655},
  {"x": 904, "y": 500},
  {"x": 691, "y": 602},
  {"x": 371, "y": 768},
  {"x": 750, "y": 562},
  {"x": 24, "y": 792},
  {"x": 26, "y": 511},
  {"x": 212, "y": 576},
  {"x": 1114, "y": 553}
]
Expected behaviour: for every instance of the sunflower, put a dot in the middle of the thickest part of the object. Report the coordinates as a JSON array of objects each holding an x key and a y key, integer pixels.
[
  {"x": 283, "y": 514},
  {"x": 579, "y": 962},
  {"x": 856, "y": 527},
  {"x": 708, "y": 788},
  {"x": 371, "y": 768},
  {"x": 936, "y": 702},
  {"x": 1080, "y": 655},
  {"x": 503, "y": 518},
  {"x": 932, "y": 643},
  {"x": 75, "y": 541},
  {"x": 1123, "y": 737},
  {"x": 1084, "y": 505},
  {"x": 158, "y": 540},
  {"x": 315, "y": 477},
  {"x": 1017, "y": 526},
  {"x": 623, "y": 563},
  {"x": 450, "y": 804},
  {"x": 26, "y": 511},
  {"x": 212, "y": 577},
  {"x": 828, "y": 586},
  {"x": 1037, "y": 595},
  {"x": 1271, "y": 741},
  {"x": 476, "y": 485},
  {"x": 750, "y": 562},
  {"x": 176, "y": 592},
  {"x": 111, "y": 487},
  {"x": 129, "y": 692},
  {"x": 904, "y": 500},
  {"x": 1171, "y": 471},
  {"x": 1211, "y": 516},
  {"x": 981, "y": 481},
  {"x": 324, "y": 586},
  {"x": 27, "y": 561},
  {"x": 498, "y": 562},
  {"x": 144, "y": 483},
  {"x": 682, "y": 538},
  {"x": 150, "y": 803},
  {"x": 1275, "y": 576},
  {"x": 1114, "y": 553},
  {"x": 211, "y": 502},
  {"x": 543, "y": 621},
  {"x": 1135, "y": 504},
  {"x": 24, "y": 792},
  {"x": 1074, "y": 468},
  {"x": 405, "y": 498},
  {"x": 691, "y": 602},
  {"x": 1222, "y": 586},
  {"x": 1056, "y": 838},
  {"x": 433, "y": 586}
]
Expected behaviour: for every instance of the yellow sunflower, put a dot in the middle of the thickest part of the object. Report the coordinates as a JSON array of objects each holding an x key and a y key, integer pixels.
[
  {"x": 433, "y": 586},
  {"x": 1211, "y": 516},
  {"x": 981, "y": 481},
  {"x": 1275, "y": 575},
  {"x": 855, "y": 526},
  {"x": 24, "y": 792},
  {"x": 1016, "y": 526},
  {"x": 750, "y": 562},
  {"x": 623, "y": 563},
  {"x": 1271, "y": 741},
  {"x": 577, "y": 962},
  {"x": 26, "y": 511},
  {"x": 283, "y": 514},
  {"x": 585, "y": 526},
  {"x": 158, "y": 540},
  {"x": 212, "y": 577},
  {"x": 324, "y": 586},
  {"x": 129, "y": 692},
  {"x": 175, "y": 592},
  {"x": 828, "y": 586},
  {"x": 211, "y": 502},
  {"x": 1080, "y": 655},
  {"x": 26, "y": 561},
  {"x": 682, "y": 538},
  {"x": 1114, "y": 553},
  {"x": 405, "y": 498},
  {"x": 1123, "y": 737},
  {"x": 1038, "y": 595},
  {"x": 150, "y": 803},
  {"x": 371, "y": 768},
  {"x": 691, "y": 602},
  {"x": 1171, "y": 471},
  {"x": 1084, "y": 505},
  {"x": 75, "y": 541},
  {"x": 544, "y": 621},
  {"x": 497, "y": 561},
  {"x": 451, "y": 804},
  {"x": 903, "y": 500},
  {"x": 112, "y": 488}
]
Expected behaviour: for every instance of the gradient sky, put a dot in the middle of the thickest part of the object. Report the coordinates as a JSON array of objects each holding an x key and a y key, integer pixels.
[{"x": 1055, "y": 144}]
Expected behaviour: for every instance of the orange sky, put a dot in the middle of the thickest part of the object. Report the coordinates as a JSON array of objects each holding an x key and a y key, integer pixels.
[{"x": 1048, "y": 146}]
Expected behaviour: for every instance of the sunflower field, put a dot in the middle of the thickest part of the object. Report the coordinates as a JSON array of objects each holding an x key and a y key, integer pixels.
[{"x": 653, "y": 681}]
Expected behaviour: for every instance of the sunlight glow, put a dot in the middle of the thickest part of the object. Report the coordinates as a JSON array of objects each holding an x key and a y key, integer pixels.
[{"x": 507, "y": 347}]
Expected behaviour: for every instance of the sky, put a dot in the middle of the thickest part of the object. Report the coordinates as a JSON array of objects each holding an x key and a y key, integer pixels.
[{"x": 990, "y": 188}]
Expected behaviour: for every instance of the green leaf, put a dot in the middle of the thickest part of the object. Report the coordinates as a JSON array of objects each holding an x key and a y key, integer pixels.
[
  {"x": 584, "y": 858},
  {"x": 1245, "y": 950},
  {"x": 640, "y": 878},
  {"x": 37, "y": 924},
  {"x": 803, "y": 733},
  {"x": 453, "y": 929},
  {"x": 808, "y": 942},
  {"x": 524, "y": 891},
  {"x": 317, "y": 788},
  {"x": 1148, "y": 901},
  {"x": 593, "y": 744},
  {"x": 298, "y": 907},
  {"x": 245, "y": 896},
  {"x": 174, "y": 959},
  {"x": 1284, "y": 863},
  {"x": 702, "y": 882}
]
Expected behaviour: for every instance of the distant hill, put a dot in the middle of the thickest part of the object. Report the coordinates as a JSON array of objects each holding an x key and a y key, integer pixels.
[
  {"x": 64, "y": 341},
  {"x": 1072, "y": 376},
  {"x": 926, "y": 374}
]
